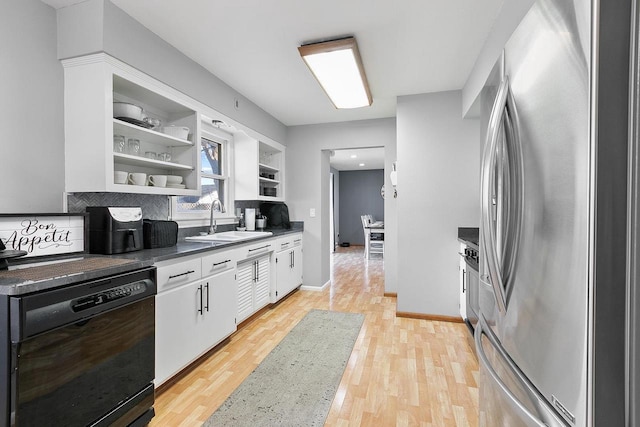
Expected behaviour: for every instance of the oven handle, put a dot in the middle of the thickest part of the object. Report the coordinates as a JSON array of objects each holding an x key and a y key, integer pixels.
[{"x": 464, "y": 282}]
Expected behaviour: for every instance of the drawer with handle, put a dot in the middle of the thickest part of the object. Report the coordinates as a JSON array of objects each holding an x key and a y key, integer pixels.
[
  {"x": 257, "y": 249},
  {"x": 219, "y": 262},
  {"x": 177, "y": 272}
]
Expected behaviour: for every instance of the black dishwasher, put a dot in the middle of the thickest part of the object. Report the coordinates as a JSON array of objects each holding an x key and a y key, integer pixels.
[{"x": 83, "y": 355}]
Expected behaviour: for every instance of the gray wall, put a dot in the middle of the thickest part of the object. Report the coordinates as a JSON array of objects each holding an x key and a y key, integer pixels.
[
  {"x": 105, "y": 27},
  {"x": 307, "y": 164},
  {"x": 31, "y": 110},
  {"x": 359, "y": 195},
  {"x": 510, "y": 16},
  {"x": 438, "y": 191}
]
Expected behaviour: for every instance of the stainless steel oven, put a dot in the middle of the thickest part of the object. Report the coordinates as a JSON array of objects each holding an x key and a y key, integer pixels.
[
  {"x": 472, "y": 283},
  {"x": 83, "y": 355}
]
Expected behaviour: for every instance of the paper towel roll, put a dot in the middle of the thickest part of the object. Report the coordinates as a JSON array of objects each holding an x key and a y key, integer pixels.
[{"x": 250, "y": 218}]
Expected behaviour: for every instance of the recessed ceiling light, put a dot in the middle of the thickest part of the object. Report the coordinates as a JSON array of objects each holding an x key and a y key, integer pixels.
[
  {"x": 353, "y": 156},
  {"x": 361, "y": 164},
  {"x": 337, "y": 66}
]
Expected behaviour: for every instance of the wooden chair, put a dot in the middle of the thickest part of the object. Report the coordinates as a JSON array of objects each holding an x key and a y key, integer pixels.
[{"x": 371, "y": 246}]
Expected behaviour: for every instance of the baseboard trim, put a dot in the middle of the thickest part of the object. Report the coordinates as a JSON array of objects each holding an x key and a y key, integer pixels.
[
  {"x": 437, "y": 317},
  {"x": 391, "y": 294},
  {"x": 316, "y": 288}
]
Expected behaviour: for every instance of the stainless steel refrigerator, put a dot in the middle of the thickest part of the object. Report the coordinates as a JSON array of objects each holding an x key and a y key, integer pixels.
[{"x": 551, "y": 335}]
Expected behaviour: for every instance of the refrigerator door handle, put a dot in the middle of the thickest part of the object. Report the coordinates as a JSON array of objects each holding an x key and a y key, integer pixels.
[
  {"x": 488, "y": 166},
  {"x": 550, "y": 418},
  {"x": 502, "y": 212}
]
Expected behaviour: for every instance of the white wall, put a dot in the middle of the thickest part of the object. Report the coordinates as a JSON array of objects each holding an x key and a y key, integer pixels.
[
  {"x": 116, "y": 33},
  {"x": 31, "y": 110},
  {"x": 438, "y": 191},
  {"x": 308, "y": 181}
]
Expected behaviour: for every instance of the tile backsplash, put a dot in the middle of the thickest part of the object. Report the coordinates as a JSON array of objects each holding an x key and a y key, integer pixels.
[{"x": 153, "y": 206}]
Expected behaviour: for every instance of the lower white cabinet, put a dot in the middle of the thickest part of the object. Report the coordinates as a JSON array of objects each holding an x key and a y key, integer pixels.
[
  {"x": 288, "y": 260},
  {"x": 220, "y": 297},
  {"x": 176, "y": 327},
  {"x": 201, "y": 298},
  {"x": 253, "y": 285},
  {"x": 191, "y": 318}
]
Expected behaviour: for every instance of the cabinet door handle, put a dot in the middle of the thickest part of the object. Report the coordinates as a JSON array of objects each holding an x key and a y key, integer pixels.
[
  {"x": 257, "y": 271},
  {"x": 291, "y": 259},
  {"x": 200, "y": 308},
  {"x": 181, "y": 274},
  {"x": 293, "y": 264},
  {"x": 207, "y": 288},
  {"x": 260, "y": 248}
]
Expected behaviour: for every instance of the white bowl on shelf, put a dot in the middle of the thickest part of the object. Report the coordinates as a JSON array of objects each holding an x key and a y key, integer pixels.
[{"x": 180, "y": 132}]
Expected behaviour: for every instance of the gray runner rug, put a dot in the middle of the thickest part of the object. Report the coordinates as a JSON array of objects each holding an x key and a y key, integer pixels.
[{"x": 296, "y": 383}]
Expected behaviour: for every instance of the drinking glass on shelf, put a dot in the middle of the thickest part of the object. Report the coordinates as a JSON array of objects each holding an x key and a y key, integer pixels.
[
  {"x": 118, "y": 143},
  {"x": 150, "y": 155},
  {"x": 165, "y": 157},
  {"x": 133, "y": 146}
]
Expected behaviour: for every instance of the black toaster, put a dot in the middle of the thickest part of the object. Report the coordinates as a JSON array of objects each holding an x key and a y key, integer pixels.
[{"x": 115, "y": 230}]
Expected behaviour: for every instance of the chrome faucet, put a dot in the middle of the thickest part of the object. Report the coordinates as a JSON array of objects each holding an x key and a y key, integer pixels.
[{"x": 213, "y": 226}]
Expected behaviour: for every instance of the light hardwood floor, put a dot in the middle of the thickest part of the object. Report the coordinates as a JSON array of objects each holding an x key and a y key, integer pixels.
[{"x": 402, "y": 372}]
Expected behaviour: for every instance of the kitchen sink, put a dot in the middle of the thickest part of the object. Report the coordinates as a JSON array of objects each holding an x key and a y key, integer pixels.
[{"x": 230, "y": 236}]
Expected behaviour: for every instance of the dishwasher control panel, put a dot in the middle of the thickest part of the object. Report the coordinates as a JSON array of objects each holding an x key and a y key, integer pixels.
[{"x": 109, "y": 295}]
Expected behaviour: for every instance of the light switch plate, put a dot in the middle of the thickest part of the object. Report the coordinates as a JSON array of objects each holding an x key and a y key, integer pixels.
[{"x": 312, "y": 212}]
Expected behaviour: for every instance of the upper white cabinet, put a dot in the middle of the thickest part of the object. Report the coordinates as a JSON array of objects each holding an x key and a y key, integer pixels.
[
  {"x": 92, "y": 84},
  {"x": 259, "y": 169}
]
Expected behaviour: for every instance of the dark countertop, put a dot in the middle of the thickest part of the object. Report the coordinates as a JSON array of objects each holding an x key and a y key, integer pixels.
[
  {"x": 470, "y": 236},
  {"x": 184, "y": 248},
  {"x": 11, "y": 285}
]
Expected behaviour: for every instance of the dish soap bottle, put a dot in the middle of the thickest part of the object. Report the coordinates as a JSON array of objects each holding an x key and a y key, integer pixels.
[{"x": 241, "y": 225}]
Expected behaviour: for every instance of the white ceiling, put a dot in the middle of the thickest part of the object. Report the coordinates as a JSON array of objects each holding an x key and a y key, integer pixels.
[
  {"x": 351, "y": 159},
  {"x": 407, "y": 47}
]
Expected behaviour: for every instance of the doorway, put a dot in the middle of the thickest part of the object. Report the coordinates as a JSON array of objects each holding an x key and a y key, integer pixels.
[{"x": 356, "y": 177}]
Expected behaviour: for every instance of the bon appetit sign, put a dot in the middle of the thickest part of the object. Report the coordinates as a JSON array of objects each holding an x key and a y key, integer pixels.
[{"x": 43, "y": 235}]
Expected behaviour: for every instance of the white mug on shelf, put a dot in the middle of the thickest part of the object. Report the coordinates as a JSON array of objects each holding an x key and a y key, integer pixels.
[
  {"x": 137, "y": 178},
  {"x": 120, "y": 177},
  {"x": 158, "y": 180}
]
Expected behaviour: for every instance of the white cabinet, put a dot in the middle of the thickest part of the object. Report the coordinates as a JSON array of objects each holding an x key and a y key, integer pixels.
[
  {"x": 177, "y": 316},
  {"x": 288, "y": 260},
  {"x": 91, "y": 85},
  {"x": 259, "y": 169},
  {"x": 195, "y": 309},
  {"x": 220, "y": 297},
  {"x": 253, "y": 285}
]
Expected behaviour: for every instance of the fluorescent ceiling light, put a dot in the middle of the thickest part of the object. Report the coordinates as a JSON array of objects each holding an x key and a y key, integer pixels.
[
  {"x": 338, "y": 68},
  {"x": 361, "y": 164}
]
